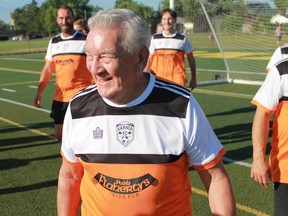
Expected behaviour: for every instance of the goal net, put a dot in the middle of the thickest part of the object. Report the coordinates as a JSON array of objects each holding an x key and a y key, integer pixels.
[{"x": 234, "y": 40}]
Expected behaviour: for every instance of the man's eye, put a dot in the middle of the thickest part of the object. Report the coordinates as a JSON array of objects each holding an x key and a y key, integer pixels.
[
  {"x": 107, "y": 56},
  {"x": 89, "y": 57}
]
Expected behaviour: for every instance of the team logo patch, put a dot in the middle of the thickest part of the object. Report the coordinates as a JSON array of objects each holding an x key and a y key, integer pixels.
[
  {"x": 125, "y": 132},
  {"x": 98, "y": 133}
]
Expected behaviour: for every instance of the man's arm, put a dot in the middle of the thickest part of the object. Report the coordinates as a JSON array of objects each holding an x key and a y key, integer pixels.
[
  {"x": 45, "y": 77},
  {"x": 68, "y": 194},
  {"x": 219, "y": 189},
  {"x": 192, "y": 65},
  {"x": 260, "y": 132}
]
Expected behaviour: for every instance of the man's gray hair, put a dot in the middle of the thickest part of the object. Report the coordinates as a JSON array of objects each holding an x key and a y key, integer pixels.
[{"x": 136, "y": 32}]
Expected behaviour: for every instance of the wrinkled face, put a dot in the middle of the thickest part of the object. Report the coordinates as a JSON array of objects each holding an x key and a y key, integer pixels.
[
  {"x": 113, "y": 69},
  {"x": 168, "y": 22},
  {"x": 65, "y": 20}
]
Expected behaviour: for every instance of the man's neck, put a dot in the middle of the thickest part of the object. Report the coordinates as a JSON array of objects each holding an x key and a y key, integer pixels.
[
  {"x": 68, "y": 34},
  {"x": 169, "y": 33}
]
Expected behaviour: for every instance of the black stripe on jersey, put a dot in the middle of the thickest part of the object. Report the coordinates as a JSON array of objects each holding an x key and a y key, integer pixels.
[
  {"x": 168, "y": 101},
  {"x": 129, "y": 158},
  {"x": 65, "y": 54},
  {"x": 284, "y": 98},
  {"x": 78, "y": 36},
  {"x": 284, "y": 50},
  {"x": 174, "y": 86},
  {"x": 161, "y": 36},
  {"x": 86, "y": 90},
  {"x": 170, "y": 49},
  {"x": 282, "y": 67}
]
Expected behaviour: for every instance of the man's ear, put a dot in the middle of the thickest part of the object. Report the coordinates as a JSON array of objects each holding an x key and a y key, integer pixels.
[{"x": 143, "y": 55}]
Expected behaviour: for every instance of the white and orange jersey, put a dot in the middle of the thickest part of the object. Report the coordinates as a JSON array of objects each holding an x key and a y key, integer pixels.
[
  {"x": 169, "y": 56},
  {"x": 136, "y": 156},
  {"x": 69, "y": 57},
  {"x": 273, "y": 97},
  {"x": 279, "y": 54}
]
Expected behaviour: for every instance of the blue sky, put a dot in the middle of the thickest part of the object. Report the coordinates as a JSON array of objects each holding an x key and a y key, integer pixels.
[{"x": 8, "y": 6}]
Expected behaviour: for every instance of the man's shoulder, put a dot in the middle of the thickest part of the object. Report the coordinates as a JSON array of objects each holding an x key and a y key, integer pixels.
[{"x": 76, "y": 36}]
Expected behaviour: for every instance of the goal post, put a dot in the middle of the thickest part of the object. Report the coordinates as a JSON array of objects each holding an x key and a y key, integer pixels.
[{"x": 234, "y": 40}]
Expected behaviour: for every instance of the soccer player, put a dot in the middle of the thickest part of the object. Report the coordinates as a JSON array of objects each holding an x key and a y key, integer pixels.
[
  {"x": 66, "y": 56},
  {"x": 272, "y": 99},
  {"x": 129, "y": 139},
  {"x": 168, "y": 50}
]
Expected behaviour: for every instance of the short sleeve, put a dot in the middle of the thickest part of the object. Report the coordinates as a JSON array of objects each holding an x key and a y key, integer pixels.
[
  {"x": 187, "y": 46},
  {"x": 276, "y": 57},
  {"x": 49, "y": 56},
  {"x": 66, "y": 146},
  {"x": 152, "y": 46},
  {"x": 203, "y": 145},
  {"x": 270, "y": 91}
]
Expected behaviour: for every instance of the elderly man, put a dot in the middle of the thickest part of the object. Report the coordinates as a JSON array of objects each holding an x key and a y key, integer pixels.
[{"x": 128, "y": 140}]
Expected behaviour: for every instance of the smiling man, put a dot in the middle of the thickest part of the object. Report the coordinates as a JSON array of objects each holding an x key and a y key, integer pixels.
[
  {"x": 66, "y": 56},
  {"x": 167, "y": 52},
  {"x": 121, "y": 152}
]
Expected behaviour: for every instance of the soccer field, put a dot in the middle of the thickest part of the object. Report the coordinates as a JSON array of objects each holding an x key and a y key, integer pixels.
[{"x": 30, "y": 156}]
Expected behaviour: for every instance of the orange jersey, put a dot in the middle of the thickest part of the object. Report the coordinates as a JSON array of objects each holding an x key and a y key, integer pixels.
[
  {"x": 69, "y": 57},
  {"x": 273, "y": 97},
  {"x": 169, "y": 56},
  {"x": 136, "y": 156}
]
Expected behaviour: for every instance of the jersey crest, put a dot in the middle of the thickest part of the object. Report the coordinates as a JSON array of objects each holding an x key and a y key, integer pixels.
[{"x": 125, "y": 132}]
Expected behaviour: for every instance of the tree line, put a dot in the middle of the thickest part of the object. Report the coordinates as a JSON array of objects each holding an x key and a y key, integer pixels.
[{"x": 41, "y": 20}]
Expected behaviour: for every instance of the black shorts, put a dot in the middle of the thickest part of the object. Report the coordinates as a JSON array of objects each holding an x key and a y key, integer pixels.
[
  {"x": 58, "y": 111},
  {"x": 280, "y": 199}
]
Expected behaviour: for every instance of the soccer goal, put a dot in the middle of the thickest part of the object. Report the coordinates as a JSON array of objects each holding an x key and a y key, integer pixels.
[{"x": 233, "y": 41}]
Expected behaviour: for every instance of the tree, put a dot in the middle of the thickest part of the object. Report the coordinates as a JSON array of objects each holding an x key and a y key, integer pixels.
[
  {"x": 141, "y": 10},
  {"x": 80, "y": 8},
  {"x": 26, "y": 18},
  {"x": 3, "y": 26}
]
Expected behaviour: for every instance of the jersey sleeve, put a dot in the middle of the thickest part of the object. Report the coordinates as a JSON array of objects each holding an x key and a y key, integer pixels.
[
  {"x": 204, "y": 149},
  {"x": 274, "y": 58},
  {"x": 66, "y": 147},
  {"x": 152, "y": 46},
  {"x": 187, "y": 46},
  {"x": 49, "y": 56},
  {"x": 270, "y": 92}
]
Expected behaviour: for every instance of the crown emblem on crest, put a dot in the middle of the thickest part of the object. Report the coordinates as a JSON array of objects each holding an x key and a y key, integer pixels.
[{"x": 125, "y": 132}]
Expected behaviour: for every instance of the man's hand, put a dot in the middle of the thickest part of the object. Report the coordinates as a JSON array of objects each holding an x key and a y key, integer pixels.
[
  {"x": 260, "y": 172},
  {"x": 192, "y": 84},
  {"x": 37, "y": 101}
]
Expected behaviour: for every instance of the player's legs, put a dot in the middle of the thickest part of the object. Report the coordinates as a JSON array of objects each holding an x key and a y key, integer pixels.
[
  {"x": 280, "y": 199},
  {"x": 58, "y": 114}
]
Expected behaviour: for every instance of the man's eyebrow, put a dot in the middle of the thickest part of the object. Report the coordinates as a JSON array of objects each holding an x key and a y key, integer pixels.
[{"x": 103, "y": 52}]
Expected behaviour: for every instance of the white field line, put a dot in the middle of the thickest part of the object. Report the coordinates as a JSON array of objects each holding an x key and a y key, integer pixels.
[
  {"x": 8, "y": 90},
  {"x": 22, "y": 59},
  {"x": 223, "y": 93},
  {"x": 20, "y": 71},
  {"x": 24, "y": 105},
  {"x": 34, "y": 87}
]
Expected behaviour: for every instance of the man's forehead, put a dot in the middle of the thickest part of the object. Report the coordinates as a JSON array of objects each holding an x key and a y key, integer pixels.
[{"x": 64, "y": 12}]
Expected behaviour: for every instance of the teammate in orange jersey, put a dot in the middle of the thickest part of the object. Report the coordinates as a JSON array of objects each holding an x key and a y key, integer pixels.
[
  {"x": 128, "y": 140},
  {"x": 272, "y": 98},
  {"x": 168, "y": 50},
  {"x": 66, "y": 56}
]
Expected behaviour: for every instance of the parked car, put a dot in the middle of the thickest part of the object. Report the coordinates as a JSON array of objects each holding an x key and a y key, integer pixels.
[{"x": 34, "y": 36}]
